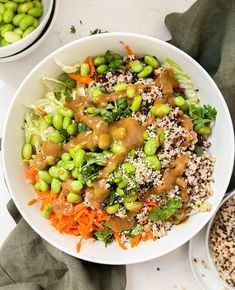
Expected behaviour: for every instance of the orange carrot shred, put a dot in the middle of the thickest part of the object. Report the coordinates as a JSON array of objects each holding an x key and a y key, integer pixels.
[
  {"x": 118, "y": 239},
  {"x": 129, "y": 51},
  {"x": 91, "y": 65},
  {"x": 79, "y": 245},
  {"x": 86, "y": 80},
  {"x": 135, "y": 241},
  {"x": 32, "y": 201}
]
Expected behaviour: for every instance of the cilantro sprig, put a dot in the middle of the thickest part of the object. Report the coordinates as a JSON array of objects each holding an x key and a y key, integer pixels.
[{"x": 105, "y": 235}]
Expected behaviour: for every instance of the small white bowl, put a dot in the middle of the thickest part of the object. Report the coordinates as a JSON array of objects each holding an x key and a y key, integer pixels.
[
  {"x": 208, "y": 250},
  {"x": 26, "y": 41}
]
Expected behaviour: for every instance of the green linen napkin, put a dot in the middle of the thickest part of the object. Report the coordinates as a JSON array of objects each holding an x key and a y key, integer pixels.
[{"x": 207, "y": 32}]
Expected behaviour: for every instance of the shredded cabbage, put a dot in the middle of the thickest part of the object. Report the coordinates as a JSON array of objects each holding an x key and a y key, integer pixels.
[{"x": 68, "y": 68}]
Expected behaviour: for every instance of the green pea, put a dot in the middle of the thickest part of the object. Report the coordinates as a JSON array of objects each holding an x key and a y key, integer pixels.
[
  {"x": 35, "y": 11},
  {"x": 155, "y": 162},
  {"x": 120, "y": 191},
  {"x": 8, "y": 15},
  {"x": 27, "y": 151},
  {"x": 74, "y": 198},
  {"x": 28, "y": 31},
  {"x": 72, "y": 129},
  {"x": 102, "y": 69},
  {"x": 79, "y": 158},
  {"x": 122, "y": 183},
  {"x": 55, "y": 137},
  {"x": 135, "y": 106},
  {"x": 66, "y": 112},
  {"x": 11, "y": 37},
  {"x": 205, "y": 130},
  {"x": 129, "y": 168},
  {"x": 73, "y": 151},
  {"x": 133, "y": 206},
  {"x": 160, "y": 110},
  {"x": 26, "y": 21},
  {"x": 58, "y": 121},
  {"x": 25, "y": 7},
  {"x": 37, "y": 186},
  {"x": 137, "y": 66},
  {"x": 130, "y": 198},
  {"x": 96, "y": 92},
  {"x": 37, "y": 3},
  {"x": 66, "y": 156},
  {"x": 35, "y": 23},
  {"x": 130, "y": 92},
  {"x": 132, "y": 153},
  {"x": 44, "y": 186},
  {"x": 47, "y": 118},
  {"x": 117, "y": 148},
  {"x": 76, "y": 186},
  {"x": 45, "y": 176},
  {"x": 99, "y": 60},
  {"x": 92, "y": 110},
  {"x": 56, "y": 185},
  {"x": 120, "y": 87},
  {"x": 150, "y": 147},
  {"x": 145, "y": 72},
  {"x": 5, "y": 28},
  {"x": 2, "y": 8},
  {"x": 152, "y": 61},
  {"x": 111, "y": 209},
  {"x": 66, "y": 122},
  {"x": 84, "y": 70},
  {"x": 12, "y": 5},
  {"x": 18, "y": 31},
  {"x": 47, "y": 211}
]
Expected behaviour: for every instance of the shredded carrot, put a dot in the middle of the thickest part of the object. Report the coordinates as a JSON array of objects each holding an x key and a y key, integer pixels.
[
  {"x": 150, "y": 236},
  {"x": 86, "y": 80},
  {"x": 32, "y": 201},
  {"x": 79, "y": 245},
  {"x": 91, "y": 65},
  {"x": 118, "y": 239},
  {"x": 129, "y": 51},
  {"x": 151, "y": 204},
  {"x": 31, "y": 174},
  {"x": 135, "y": 241}
]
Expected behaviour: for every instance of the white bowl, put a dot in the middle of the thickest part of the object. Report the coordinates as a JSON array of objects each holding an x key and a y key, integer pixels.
[
  {"x": 26, "y": 41},
  {"x": 208, "y": 250},
  {"x": 32, "y": 88}
]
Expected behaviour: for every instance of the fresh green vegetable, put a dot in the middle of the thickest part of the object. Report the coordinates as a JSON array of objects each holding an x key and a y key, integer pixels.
[{"x": 105, "y": 236}]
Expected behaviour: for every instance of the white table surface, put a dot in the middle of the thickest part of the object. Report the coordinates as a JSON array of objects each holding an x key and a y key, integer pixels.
[{"x": 145, "y": 17}]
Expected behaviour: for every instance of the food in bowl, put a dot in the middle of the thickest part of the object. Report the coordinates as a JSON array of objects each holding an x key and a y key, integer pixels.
[
  {"x": 18, "y": 19},
  {"x": 222, "y": 241},
  {"x": 118, "y": 149}
]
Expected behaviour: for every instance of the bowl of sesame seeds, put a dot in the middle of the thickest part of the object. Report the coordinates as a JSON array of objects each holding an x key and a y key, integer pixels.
[{"x": 220, "y": 242}]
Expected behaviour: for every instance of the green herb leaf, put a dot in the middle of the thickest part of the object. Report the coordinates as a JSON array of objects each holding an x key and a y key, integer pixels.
[
  {"x": 73, "y": 29},
  {"x": 64, "y": 78},
  {"x": 82, "y": 127},
  {"x": 105, "y": 235},
  {"x": 198, "y": 151},
  {"x": 202, "y": 115},
  {"x": 97, "y": 31}
]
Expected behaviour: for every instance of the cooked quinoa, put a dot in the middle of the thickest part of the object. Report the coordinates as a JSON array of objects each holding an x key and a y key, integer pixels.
[{"x": 222, "y": 241}]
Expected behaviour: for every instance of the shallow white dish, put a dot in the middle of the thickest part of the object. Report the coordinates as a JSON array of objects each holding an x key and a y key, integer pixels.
[
  {"x": 32, "y": 88},
  {"x": 26, "y": 41},
  {"x": 208, "y": 251},
  {"x": 37, "y": 42}
]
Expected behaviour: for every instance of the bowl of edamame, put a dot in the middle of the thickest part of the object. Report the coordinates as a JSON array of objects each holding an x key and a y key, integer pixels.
[
  {"x": 112, "y": 148},
  {"x": 21, "y": 22}
]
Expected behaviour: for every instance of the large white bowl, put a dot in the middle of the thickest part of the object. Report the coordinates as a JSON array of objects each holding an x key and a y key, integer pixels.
[
  {"x": 26, "y": 41},
  {"x": 13, "y": 139}
]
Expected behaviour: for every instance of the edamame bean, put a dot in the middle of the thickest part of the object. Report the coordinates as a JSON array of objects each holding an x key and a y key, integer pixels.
[
  {"x": 151, "y": 146},
  {"x": 37, "y": 3},
  {"x": 120, "y": 191},
  {"x": 146, "y": 135},
  {"x": 55, "y": 137},
  {"x": 118, "y": 176},
  {"x": 47, "y": 118},
  {"x": 47, "y": 211},
  {"x": 25, "y": 7},
  {"x": 66, "y": 112},
  {"x": 27, "y": 151},
  {"x": 155, "y": 162},
  {"x": 69, "y": 165},
  {"x": 5, "y": 28},
  {"x": 50, "y": 160},
  {"x": 1, "y": 18},
  {"x": 130, "y": 198},
  {"x": 28, "y": 31},
  {"x": 205, "y": 130},
  {"x": 117, "y": 148},
  {"x": 92, "y": 110},
  {"x": 66, "y": 122},
  {"x": 63, "y": 174},
  {"x": 74, "y": 198},
  {"x": 18, "y": 31},
  {"x": 57, "y": 121},
  {"x": 120, "y": 87},
  {"x": 152, "y": 61},
  {"x": 122, "y": 183},
  {"x": 84, "y": 70},
  {"x": 102, "y": 69},
  {"x": 129, "y": 168},
  {"x": 8, "y": 15},
  {"x": 18, "y": 1},
  {"x": 11, "y": 37},
  {"x": 137, "y": 66},
  {"x": 160, "y": 110},
  {"x": 54, "y": 171},
  {"x": 73, "y": 151},
  {"x": 66, "y": 156},
  {"x": 133, "y": 206},
  {"x": 75, "y": 172},
  {"x": 130, "y": 92},
  {"x": 79, "y": 158},
  {"x": 135, "y": 106},
  {"x": 3, "y": 42},
  {"x": 161, "y": 137},
  {"x": 12, "y": 5},
  {"x": 44, "y": 176},
  {"x": 111, "y": 209},
  {"x": 44, "y": 186},
  {"x": 26, "y": 21},
  {"x": 104, "y": 141},
  {"x": 35, "y": 11},
  {"x": 2, "y": 8},
  {"x": 119, "y": 133},
  {"x": 37, "y": 186},
  {"x": 99, "y": 60},
  {"x": 56, "y": 185},
  {"x": 96, "y": 92},
  {"x": 132, "y": 153},
  {"x": 76, "y": 186},
  {"x": 145, "y": 72},
  {"x": 72, "y": 129},
  {"x": 35, "y": 23},
  {"x": 179, "y": 101}
]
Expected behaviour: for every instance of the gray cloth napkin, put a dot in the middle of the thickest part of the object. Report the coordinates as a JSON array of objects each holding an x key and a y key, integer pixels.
[{"x": 207, "y": 32}]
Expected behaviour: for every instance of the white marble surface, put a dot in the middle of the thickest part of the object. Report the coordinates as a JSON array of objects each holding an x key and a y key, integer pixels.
[{"x": 172, "y": 271}]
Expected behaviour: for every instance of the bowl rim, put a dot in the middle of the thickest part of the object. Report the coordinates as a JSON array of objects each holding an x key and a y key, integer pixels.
[
  {"x": 136, "y": 36},
  {"x": 208, "y": 251}
]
